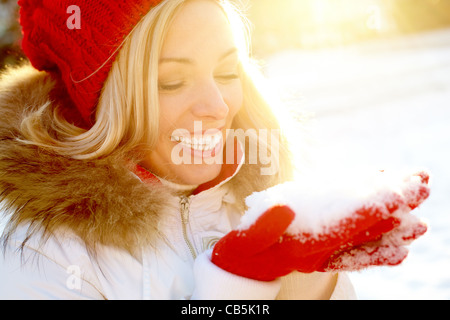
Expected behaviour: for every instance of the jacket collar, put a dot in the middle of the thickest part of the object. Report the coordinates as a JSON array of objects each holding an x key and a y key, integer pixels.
[{"x": 228, "y": 171}]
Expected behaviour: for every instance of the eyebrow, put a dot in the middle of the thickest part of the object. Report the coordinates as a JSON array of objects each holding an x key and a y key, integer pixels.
[{"x": 190, "y": 61}]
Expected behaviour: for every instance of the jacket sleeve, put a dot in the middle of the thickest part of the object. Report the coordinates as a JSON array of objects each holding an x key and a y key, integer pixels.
[
  {"x": 34, "y": 273},
  {"x": 317, "y": 286},
  {"x": 344, "y": 289},
  {"x": 213, "y": 283}
]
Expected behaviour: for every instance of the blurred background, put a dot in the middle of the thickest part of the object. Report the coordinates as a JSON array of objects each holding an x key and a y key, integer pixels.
[
  {"x": 10, "y": 53},
  {"x": 373, "y": 79},
  {"x": 313, "y": 24}
]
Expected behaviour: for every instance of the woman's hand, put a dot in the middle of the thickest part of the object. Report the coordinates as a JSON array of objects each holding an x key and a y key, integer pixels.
[{"x": 287, "y": 237}]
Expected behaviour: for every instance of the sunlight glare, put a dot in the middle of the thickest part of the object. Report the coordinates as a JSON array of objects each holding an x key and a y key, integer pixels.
[{"x": 319, "y": 23}]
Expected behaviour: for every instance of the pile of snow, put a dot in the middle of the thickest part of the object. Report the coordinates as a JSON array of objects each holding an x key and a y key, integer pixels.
[{"x": 323, "y": 198}]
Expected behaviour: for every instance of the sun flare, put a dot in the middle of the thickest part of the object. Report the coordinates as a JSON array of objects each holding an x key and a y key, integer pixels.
[{"x": 312, "y": 24}]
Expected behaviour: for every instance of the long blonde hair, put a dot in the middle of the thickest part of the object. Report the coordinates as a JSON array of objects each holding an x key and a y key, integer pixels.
[{"x": 127, "y": 115}]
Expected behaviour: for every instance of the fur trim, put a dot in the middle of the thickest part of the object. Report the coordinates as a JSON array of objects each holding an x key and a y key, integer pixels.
[{"x": 99, "y": 200}]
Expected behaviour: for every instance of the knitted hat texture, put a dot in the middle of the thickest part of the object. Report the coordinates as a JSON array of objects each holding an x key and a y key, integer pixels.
[{"x": 81, "y": 56}]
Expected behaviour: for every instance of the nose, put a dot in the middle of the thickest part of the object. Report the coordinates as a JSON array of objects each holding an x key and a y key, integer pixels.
[{"x": 210, "y": 102}]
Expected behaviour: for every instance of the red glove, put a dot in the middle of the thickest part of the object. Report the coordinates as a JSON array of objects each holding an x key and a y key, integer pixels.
[
  {"x": 373, "y": 234},
  {"x": 371, "y": 248}
]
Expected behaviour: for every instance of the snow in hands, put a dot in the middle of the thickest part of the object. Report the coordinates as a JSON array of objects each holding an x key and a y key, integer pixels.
[
  {"x": 321, "y": 201},
  {"x": 332, "y": 204}
]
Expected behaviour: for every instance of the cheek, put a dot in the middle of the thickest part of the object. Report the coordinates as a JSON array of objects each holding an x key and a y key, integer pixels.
[
  {"x": 234, "y": 98},
  {"x": 170, "y": 112},
  {"x": 174, "y": 109}
]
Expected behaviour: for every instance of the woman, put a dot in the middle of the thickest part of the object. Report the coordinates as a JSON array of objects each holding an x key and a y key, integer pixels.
[{"x": 130, "y": 155}]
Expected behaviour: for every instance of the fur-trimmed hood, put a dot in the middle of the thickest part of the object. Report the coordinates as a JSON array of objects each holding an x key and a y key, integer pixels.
[{"x": 100, "y": 200}]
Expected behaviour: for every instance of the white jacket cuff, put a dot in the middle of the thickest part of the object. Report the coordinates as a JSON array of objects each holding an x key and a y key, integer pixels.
[
  {"x": 214, "y": 283},
  {"x": 344, "y": 289}
]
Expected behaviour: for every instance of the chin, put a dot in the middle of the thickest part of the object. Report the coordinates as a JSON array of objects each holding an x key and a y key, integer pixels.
[{"x": 196, "y": 174}]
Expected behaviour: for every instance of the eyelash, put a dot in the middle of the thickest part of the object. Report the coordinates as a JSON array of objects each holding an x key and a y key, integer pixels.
[
  {"x": 229, "y": 77},
  {"x": 173, "y": 87}
]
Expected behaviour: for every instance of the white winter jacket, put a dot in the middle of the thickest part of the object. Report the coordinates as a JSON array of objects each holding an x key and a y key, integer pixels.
[
  {"x": 179, "y": 268},
  {"x": 62, "y": 268}
]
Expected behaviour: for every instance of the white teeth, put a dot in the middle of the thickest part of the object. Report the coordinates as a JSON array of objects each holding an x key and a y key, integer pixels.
[{"x": 203, "y": 143}]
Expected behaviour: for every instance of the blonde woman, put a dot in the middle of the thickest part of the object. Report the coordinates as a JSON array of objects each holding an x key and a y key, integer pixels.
[{"x": 130, "y": 154}]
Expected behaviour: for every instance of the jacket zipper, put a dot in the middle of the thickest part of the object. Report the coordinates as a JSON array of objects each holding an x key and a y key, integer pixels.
[{"x": 184, "y": 211}]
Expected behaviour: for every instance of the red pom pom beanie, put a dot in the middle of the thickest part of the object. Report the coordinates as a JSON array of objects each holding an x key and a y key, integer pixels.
[{"x": 77, "y": 41}]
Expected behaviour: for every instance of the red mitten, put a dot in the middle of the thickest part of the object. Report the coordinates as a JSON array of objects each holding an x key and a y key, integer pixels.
[
  {"x": 254, "y": 253},
  {"x": 387, "y": 248},
  {"x": 352, "y": 231}
]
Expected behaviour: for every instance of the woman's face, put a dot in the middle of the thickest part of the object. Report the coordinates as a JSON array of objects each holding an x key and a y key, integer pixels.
[{"x": 199, "y": 92}]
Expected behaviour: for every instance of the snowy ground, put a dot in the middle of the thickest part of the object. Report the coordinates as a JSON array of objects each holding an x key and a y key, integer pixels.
[{"x": 387, "y": 104}]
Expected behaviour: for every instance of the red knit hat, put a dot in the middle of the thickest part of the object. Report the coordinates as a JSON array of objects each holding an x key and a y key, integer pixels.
[{"x": 82, "y": 57}]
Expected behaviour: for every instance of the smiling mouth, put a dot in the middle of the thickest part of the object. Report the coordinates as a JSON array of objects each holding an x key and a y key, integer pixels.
[{"x": 207, "y": 142}]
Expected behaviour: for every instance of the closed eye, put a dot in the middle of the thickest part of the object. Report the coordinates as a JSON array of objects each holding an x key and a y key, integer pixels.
[
  {"x": 228, "y": 77},
  {"x": 170, "y": 86}
]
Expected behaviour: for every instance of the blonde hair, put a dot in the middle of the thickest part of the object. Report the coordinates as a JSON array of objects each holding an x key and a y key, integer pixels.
[{"x": 127, "y": 115}]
